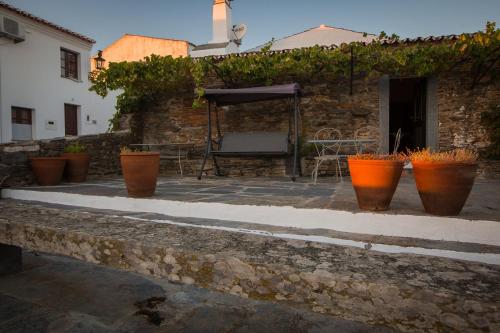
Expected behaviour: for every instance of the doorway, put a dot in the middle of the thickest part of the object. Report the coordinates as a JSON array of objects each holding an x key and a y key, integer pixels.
[
  {"x": 407, "y": 110},
  {"x": 70, "y": 120}
]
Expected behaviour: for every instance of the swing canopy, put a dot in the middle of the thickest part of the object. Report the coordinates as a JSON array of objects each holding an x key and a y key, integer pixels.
[{"x": 223, "y": 97}]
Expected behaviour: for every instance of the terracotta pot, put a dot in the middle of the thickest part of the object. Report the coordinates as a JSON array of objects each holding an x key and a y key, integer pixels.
[
  {"x": 140, "y": 170},
  {"x": 375, "y": 181},
  {"x": 444, "y": 186},
  {"x": 77, "y": 167},
  {"x": 48, "y": 170}
]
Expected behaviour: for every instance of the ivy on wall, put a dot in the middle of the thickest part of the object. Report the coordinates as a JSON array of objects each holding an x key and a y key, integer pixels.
[{"x": 154, "y": 78}]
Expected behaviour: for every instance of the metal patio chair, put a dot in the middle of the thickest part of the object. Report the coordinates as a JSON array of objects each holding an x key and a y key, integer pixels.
[
  {"x": 327, "y": 151},
  {"x": 367, "y": 133}
]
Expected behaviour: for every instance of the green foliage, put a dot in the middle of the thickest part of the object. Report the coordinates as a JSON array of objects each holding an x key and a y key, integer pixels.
[
  {"x": 491, "y": 121},
  {"x": 149, "y": 81},
  {"x": 75, "y": 148}
]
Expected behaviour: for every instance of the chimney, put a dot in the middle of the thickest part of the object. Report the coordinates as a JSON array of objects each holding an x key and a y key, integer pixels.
[{"x": 221, "y": 21}]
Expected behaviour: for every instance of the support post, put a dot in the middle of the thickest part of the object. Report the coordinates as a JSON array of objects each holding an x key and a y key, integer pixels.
[
  {"x": 209, "y": 141},
  {"x": 296, "y": 134},
  {"x": 11, "y": 260},
  {"x": 352, "y": 70}
]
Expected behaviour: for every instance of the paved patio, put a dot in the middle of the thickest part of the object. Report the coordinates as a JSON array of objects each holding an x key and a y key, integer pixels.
[
  {"x": 325, "y": 212},
  {"x": 483, "y": 203}
]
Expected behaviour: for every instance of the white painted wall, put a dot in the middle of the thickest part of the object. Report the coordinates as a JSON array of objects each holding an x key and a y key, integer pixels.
[
  {"x": 30, "y": 77},
  {"x": 323, "y": 36},
  {"x": 221, "y": 22}
]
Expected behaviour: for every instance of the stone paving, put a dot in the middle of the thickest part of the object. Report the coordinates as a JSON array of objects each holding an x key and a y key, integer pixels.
[
  {"x": 410, "y": 293},
  {"x": 59, "y": 294},
  {"x": 483, "y": 203}
]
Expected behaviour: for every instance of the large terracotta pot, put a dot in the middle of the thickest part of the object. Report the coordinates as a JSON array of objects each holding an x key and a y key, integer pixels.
[
  {"x": 48, "y": 170},
  {"x": 77, "y": 166},
  {"x": 375, "y": 181},
  {"x": 140, "y": 170},
  {"x": 444, "y": 186}
]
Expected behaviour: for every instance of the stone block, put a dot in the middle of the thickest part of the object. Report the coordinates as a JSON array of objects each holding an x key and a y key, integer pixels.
[{"x": 10, "y": 259}]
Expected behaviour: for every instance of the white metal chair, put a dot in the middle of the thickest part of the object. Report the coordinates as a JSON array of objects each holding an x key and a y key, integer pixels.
[
  {"x": 367, "y": 133},
  {"x": 327, "y": 151}
]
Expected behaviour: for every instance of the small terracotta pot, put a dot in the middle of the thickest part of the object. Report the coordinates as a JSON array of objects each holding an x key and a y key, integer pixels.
[
  {"x": 48, "y": 170},
  {"x": 444, "y": 186},
  {"x": 140, "y": 170},
  {"x": 374, "y": 181},
  {"x": 77, "y": 167}
]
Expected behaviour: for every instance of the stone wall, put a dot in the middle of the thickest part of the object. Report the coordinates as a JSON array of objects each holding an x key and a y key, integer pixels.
[
  {"x": 460, "y": 111},
  {"x": 322, "y": 105},
  {"x": 326, "y": 104},
  {"x": 104, "y": 151}
]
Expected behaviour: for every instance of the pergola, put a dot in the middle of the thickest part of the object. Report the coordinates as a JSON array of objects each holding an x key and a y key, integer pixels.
[{"x": 252, "y": 143}]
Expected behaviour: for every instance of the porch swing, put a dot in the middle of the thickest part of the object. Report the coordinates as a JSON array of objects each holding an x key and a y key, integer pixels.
[{"x": 252, "y": 144}]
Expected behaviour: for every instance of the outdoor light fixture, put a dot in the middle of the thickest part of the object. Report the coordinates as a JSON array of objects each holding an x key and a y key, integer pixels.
[{"x": 99, "y": 61}]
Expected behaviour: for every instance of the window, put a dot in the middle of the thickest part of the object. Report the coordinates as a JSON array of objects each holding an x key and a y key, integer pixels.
[
  {"x": 69, "y": 64},
  {"x": 22, "y": 124}
]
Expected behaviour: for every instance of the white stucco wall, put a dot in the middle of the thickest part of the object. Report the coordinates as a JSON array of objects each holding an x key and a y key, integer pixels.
[{"x": 30, "y": 77}]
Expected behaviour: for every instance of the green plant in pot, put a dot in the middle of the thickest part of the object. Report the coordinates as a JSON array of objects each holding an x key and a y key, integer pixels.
[
  {"x": 140, "y": 171},
  {"x": 444, "y": 179},
  {"x": 375, "y": 178},
  {"x": 78, "y": 161}
]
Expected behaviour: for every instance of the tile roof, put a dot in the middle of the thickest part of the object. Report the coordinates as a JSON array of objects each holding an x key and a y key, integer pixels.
[
  {"x": 44, "y": 22},
  {"x": 404, "y": 41}
]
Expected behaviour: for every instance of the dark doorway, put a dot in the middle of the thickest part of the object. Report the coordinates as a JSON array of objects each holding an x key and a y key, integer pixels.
[
  {"x": 70, "y": 119},
  {"x": 407, "y": 110}
]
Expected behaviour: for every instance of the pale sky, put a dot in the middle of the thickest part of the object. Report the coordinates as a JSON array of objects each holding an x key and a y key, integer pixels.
[{"x": 106, "y": 20}]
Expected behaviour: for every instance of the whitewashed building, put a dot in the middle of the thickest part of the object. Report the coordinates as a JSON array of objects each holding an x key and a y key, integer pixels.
[
  {"x": 225, "y": 39},
  {"x": 44, "y": 85},
  {"x": 322, "y": 35}
]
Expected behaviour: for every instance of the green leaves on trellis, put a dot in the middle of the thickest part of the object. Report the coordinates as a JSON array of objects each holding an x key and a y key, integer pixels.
[{"x": 154, "y": 78}]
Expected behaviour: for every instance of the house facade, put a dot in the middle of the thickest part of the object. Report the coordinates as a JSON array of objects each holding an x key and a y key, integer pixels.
[
  {"x": 132, "y": 47},
  {"x": 225, "y": 38},
  {"x": 322, "y": 35},
  {"x": 44, "y": 85}
]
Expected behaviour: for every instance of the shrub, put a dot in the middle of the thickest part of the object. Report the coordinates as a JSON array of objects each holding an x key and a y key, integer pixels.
[
  {"x": 456, "y": 155},
  {"x": 75, "y": 148}
]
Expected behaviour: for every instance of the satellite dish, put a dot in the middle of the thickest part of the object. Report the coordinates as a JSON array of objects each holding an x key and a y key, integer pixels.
[{"x": 239, "y": 31}]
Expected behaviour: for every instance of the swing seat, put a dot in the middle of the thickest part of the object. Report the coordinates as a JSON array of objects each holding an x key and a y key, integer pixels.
[{"x": 253, "y": 144}]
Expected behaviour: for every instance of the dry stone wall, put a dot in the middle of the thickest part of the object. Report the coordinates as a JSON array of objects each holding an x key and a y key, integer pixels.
[
  {"x": 325, "y": 104},
  {"x": 104, "y": 151},
  {"x": 322, "y": 105}
]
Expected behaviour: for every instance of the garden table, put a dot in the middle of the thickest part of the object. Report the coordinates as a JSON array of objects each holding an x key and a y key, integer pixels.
[
  {"x": 181, "y": 147},
  {"x": 342, "y": 142}
]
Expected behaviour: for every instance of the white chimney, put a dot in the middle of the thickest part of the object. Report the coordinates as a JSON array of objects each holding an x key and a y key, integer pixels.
[{"x": 221, "y": 21}]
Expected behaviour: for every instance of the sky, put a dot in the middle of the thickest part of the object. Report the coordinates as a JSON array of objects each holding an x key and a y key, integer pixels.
[{"x": 107, "y": 20}]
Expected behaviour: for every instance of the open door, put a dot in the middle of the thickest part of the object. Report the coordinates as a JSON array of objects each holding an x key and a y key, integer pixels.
[{"x": 407, "y": 110}]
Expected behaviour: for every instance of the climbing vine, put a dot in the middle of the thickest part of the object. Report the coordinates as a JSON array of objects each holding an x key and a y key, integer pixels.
[{"x": 148, "y": 81}]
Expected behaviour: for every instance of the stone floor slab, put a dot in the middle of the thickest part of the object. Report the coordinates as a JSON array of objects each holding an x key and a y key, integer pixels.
[{"x": 60, "y": 294}]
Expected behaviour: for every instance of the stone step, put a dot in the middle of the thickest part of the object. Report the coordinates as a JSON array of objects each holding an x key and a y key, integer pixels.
[
  {"x": 457, "y": 238},
  {"x": 408, "y": 292}
]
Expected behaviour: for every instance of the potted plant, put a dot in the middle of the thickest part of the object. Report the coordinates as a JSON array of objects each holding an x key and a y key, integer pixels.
[
  {"x": 444, "y": 179},
  {"x": 140, "y": 170},
  {"x": 48, "y": 170},
  {"x": 77, "y": 165},
  {"x": 375, "y": 178}
]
